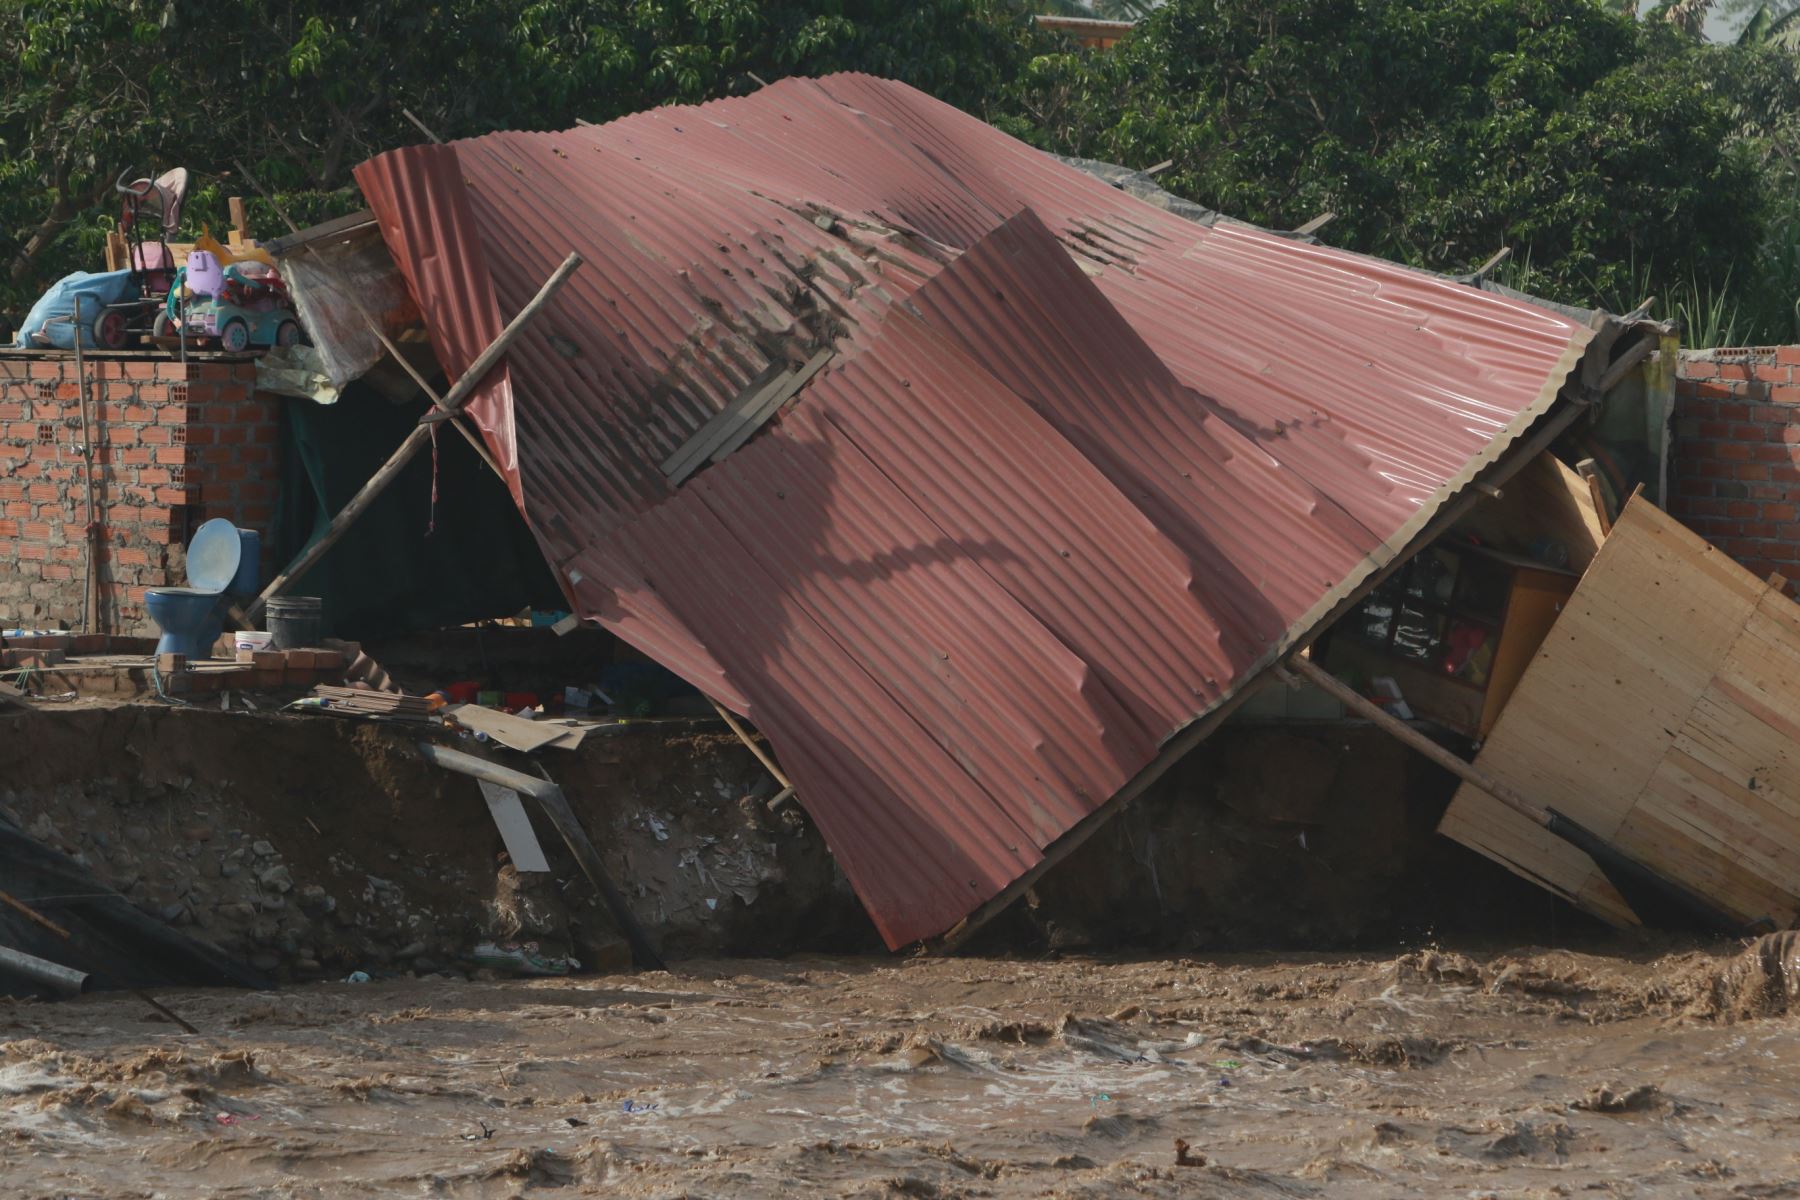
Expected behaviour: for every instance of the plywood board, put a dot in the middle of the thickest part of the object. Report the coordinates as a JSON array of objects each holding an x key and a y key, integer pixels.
[
  {"x": 1545, "y": 500},
  {"x": 1662, "y": 712}
]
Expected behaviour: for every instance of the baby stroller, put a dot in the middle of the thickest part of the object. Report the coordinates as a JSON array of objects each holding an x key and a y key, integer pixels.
[{"x": 149, "y": 217}]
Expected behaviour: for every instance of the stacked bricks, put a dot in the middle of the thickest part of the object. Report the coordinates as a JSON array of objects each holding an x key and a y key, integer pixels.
[{"x": 174, "y": 445}]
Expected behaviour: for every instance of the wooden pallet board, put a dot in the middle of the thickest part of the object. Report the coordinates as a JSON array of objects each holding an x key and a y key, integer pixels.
[{"x": 1662, "y": 712}]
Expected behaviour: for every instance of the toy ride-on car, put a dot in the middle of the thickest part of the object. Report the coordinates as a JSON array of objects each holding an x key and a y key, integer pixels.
[{"x": 243, "y": 305}]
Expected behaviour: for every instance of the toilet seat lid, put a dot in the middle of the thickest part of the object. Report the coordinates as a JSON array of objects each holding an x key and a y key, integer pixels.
[{"x": 213, "y": 556}]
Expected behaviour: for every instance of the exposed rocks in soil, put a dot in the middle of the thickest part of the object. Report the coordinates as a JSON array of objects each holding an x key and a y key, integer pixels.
[{"x": 313, "y": 847}]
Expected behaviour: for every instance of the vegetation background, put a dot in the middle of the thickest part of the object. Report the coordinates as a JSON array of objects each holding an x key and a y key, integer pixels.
[{"x": 1619, "y": 154}]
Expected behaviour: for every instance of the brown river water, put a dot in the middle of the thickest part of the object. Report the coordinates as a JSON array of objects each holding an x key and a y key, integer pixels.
[{"x": 1532, "y": 1073}]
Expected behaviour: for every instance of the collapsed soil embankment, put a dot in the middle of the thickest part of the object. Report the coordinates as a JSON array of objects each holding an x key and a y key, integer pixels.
[{"x": 313, "y": 847}]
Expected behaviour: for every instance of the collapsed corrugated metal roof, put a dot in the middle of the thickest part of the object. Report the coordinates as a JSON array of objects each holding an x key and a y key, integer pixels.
[{"x": 1048, "y": 472}]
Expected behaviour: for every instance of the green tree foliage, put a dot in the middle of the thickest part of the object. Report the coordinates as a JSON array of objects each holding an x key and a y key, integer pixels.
[
  {"x": 1437, "y": 130},
  {"x": 301, "y": 92}
]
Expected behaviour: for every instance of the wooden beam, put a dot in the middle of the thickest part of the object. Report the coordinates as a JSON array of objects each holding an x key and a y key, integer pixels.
[
  {"x": 453, "y": 402},
  {"x": 1317, "y": 223},
  {"x": 743, "y": 735},
  {"x": 1486, "y": 268},
  {"x": 1366, "y": 708},
  {"x": 734, "y": 425},
  {"x": 420, "y": 125}
]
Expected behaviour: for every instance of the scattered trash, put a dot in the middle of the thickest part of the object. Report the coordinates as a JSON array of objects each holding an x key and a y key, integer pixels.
[
  {"x": 521, "y": 958},
  {"x": 1183, "y": 1157},
  {"x": 484, "y": 1135},
  {"x": 1099, "y": 1099},
  {"x": 574, "y": 1122},
  {"x": 1229, "y": 1064},
  {"x": 631, "y": 1107},
  {"x": 227, "y": 1118},
  {"x": 357, "y": 977}
]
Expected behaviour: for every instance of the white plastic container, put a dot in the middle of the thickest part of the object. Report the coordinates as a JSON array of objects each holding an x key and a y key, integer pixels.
[{"x": 251, "y": 639}]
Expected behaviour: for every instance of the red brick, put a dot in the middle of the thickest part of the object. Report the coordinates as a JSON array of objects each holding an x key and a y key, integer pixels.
[
  {"x": 172, "y": 454},
  {"x": 20, "y": 508},
  {"x": 1751, "y": 471},
  {"x": 154, "y": 435},
  {"x": 131, "y": 557},
  {"x": 1698, "y": 368},
  {"x": 173, "y": 495},
  {"x": 126, "y": 514},
  {"x": 1769, "y": 373},
  {"x": 1785, "y": 395},
  {"x": 1781, "y": 512},
  {"x": 1788, "y": 355},
  {"x": 8, "y": 528},
  {"x": 40, "y": 492},
  {"x": 31, "y": 553},
  {"x": 1772, "y": 452},
  {"x": 199, "y": 435},
  {"x": 265, "y": 434},
  {"x": 1734, "y": 370},
  {"x": 1757, "y": 529},
  {"x": 1729, "y": 451},
  {"x": 67, "y": 553}
]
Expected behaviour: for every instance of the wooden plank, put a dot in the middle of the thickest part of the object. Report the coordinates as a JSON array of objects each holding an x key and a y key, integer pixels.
[
  {"x": 1545, "y": 500},
  {"x": 1536, "y": 600},
  {"x": 734, "y": 425}
]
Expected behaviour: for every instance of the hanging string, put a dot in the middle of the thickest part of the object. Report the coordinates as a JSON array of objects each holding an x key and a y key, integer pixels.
[{"x": 431, "y": 525}]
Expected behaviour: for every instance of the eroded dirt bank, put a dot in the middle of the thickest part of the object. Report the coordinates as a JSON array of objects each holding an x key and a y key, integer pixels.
[{"x": 1535, "y": 1073}]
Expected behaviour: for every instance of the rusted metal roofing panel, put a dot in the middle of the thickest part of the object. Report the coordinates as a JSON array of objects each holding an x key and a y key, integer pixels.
[{"x": 1075, "y": 470}]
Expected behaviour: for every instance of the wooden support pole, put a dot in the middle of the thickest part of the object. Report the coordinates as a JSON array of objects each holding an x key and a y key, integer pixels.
[
  {"x": 1366, "y": 708},
  {"x": 451, "y": 403},
  {"x": 743, "y": 735}
]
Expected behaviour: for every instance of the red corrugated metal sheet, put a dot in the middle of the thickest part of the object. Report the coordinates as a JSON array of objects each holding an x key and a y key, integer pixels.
[{"x": 1077, "y": 468}]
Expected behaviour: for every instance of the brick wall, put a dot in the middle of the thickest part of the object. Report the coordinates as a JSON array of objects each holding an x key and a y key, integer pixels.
[
  {"x": 1734, "y": 466},
  {"x": 174, "y": 445}
]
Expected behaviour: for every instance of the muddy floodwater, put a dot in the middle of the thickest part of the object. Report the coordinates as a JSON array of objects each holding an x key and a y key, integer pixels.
[{"x": 1532, "y": 1073}]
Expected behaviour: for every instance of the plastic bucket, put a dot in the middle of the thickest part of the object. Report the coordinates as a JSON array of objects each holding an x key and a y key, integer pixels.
[
  {"x": 294, "y": 621},
  {"x": 251, "y": 639}
]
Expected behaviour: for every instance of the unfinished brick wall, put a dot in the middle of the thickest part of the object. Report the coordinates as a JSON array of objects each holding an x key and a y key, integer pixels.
[
  {"x": 1734, "y": 465},
  {"x": 175, "y": 444}
]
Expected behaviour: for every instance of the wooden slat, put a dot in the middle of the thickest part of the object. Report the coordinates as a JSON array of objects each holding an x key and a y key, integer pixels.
[{"x": 734, "y": 425}]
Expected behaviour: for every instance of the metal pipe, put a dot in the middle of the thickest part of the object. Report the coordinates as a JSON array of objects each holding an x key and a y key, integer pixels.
[
  {"x": 550, "y": 798},
  {"x": 64, "y": 981}
]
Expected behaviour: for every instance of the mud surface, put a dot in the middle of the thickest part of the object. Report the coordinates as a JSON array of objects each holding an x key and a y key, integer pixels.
[{"x": 1532, "y": 1073}]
